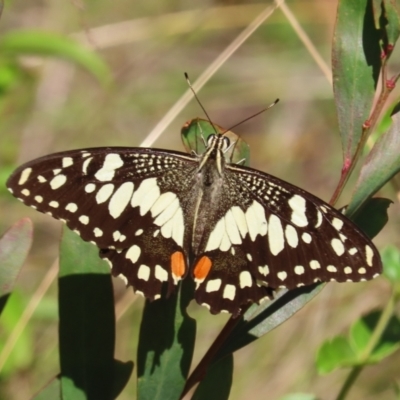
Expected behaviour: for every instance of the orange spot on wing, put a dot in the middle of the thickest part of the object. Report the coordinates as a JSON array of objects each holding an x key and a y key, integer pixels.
[
  {"x": 178, "y": 267},
  {"x": 202, "y": 268}
]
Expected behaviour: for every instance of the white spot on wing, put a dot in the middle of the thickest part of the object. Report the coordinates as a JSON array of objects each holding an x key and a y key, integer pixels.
[
  {"x": 216, "y": 235},
  {"x": 256, "y": 222},
  {"x": 167, "y": 213},
  {"x": 275, "y": 236},
  {"x": 299, "y": 270},
  {"x": 369, "y": 254},
  {"x": 24, "y": 176},
  {"x": 232, "y": 228},
  {"x": 39, "y": 199},
  {"x": 54, "y": 204},
  {"x": 337, "y": 224},
  {"x": 84, "y": 219},
  {"x": 104, "y": 193},
  {"x": 306, "y": 237},
  {"x": 314, "y": 264},
  {"x": 97, "y": 232},
  {"x": 348, "y": 270},
  {"x": 245, "y": 279},
  {"x": 229, "y": 292},
  {"x": 90, "y": 187},
  {"x": 319, "y": 219},
  {"x": 25, "y": 192},
  {"x": 107, "y": 171},
  {"x": 133, "y": 253},
  {"x": 337, "y": 246},
  {"x": 240, "y": 220},
  {"x": 58, "y": 181},
  {"x": 213, "y": 285},
  {"x": 331, "y": 268},
  {"x": 298, "y": 204},
  {"x": 146, "y": 195},
  {"x": 291, "y": 236},
  {"x": 144, "y": 272},
  {"x": 161, "y": 274},
  {"x": 67, "y": 162},
  {"x": 263, "y": 270},
  {"x": 120, "y": 199},
  {"x": 282, "y": 275},
  {"x": 71, "y": 207},
  {"x": 86, "y": 164}
]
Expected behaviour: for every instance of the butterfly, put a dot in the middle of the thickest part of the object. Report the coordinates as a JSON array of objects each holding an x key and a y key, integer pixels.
[{"x": 161, "y": 216}]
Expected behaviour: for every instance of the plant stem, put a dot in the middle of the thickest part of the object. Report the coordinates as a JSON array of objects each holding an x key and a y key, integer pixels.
[
  {"x": 369, "y": 348},
  {"x": 349, "y": 382},
  {"x": 200, "y": 371}
]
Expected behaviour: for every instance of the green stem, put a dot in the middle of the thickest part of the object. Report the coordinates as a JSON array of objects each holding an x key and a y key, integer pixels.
[
  {"x": 377, "y": 333},
  {"x": 351, "y": 378}
]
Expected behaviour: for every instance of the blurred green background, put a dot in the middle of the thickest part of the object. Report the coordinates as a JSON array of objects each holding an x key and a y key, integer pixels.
[{"x": 48, "y": 105}]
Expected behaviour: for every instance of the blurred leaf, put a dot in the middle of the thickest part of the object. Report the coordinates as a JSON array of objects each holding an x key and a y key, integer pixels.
[
  {"x": 362, "y": 330},
  {"x": 391, "y": 261},
  {"x": 31, "y": 42},
  {"x": 333, "y": 354},
  {"x": 87, "y": 321},
  {"x": 22, "y": 353},
  {"x": 218, "y": 381},
  {"x": 122, "y": 373},
  {"x": 356, "y": 66},
  {"x": 392, "y": 15},
  {"x": 299, "y": 396},
  {"x": 372, "y": 216},
  {"x": 14, "y": 248},
  {"x": 381, "y": 164},
  {"x": 260, "y": 319},
  {"x": 195, "y": 134},
  {"x": 52, "y": 391},
  {"x": 166, "y": 343}
]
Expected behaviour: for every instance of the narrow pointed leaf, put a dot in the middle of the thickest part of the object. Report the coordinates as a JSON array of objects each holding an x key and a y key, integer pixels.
[
  {"x": 356, "y": 67},
  {"x": 259, "y": 320},
  {"x": 381, "y": 164},
  {"x": 166, "y": 344},
  {"x": 14, "y": 248},
  {"x": 392, "y": 14},
  {"x": 87, "y": 322},
  {"x": 51, "y": 44}
]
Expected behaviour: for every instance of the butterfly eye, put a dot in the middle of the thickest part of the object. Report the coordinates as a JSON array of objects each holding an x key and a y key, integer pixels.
[{"x": 226, "y": 144}]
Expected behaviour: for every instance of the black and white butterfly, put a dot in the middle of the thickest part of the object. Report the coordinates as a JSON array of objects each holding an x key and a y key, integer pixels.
[{"x": 161, "y": 216}]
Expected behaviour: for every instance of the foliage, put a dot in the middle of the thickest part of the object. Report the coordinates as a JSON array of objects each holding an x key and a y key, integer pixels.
[{"x": 365, "y": 36}]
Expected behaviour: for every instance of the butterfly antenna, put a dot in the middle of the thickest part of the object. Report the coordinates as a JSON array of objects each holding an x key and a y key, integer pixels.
[
  {"x": 252, "y": 116},
  {"x": 198, "y": 101}
]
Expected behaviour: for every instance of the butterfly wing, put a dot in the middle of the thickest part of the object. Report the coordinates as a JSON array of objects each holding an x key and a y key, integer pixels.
[
  {"x": 272, "y": 235},
  {"x": 124, "y": 200}
]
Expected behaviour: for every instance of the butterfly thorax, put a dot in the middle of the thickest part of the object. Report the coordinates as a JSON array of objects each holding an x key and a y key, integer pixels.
[{"x": 209, "y": 190}]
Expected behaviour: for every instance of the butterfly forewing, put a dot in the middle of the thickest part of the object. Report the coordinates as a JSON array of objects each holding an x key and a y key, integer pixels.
[
  {"x": 127, "y": 201},
  {"x": 157, "y": 214}
]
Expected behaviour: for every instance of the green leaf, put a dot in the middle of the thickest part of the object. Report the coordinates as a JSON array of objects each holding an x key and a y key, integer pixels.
[
  {"x": 166, "y": 343},
  {"x": 22, "y": 353},
  {"x": 361, "y": 333},
  {"x": 52, "y": 391},
  {"x": 195, "y": 133},
  {"x": 333, "y": 354},
  {"x": 381, "y": 164},
  {"x": 51, "y": 44},
  {"x": 260, "y": 319},
  {"x": 87, "y": 322},
  {"x": 372, "y": 216},
  {"x": 356, "y": 66},
  {"x": 391, "y": 263},
  {"x": 392, "y": 14},
  {"x": 14, "y": 248},
  {"x": 218, "y": 381}
]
